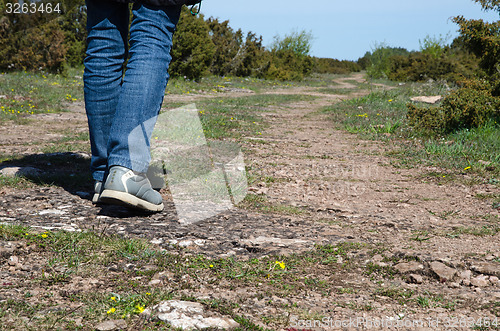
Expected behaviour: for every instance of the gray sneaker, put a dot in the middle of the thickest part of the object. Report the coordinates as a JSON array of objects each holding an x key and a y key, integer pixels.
[
  {"x": 97, "y": 192},
  {"x": 130, "y": 188}
]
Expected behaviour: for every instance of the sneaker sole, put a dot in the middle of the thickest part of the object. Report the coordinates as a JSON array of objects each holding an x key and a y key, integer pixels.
[
  {"x": 96, "y": 198},
  {"x": 128, "y": 200}
]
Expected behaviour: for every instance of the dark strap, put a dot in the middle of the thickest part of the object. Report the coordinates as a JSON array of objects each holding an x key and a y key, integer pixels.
[{"x": 164, "y": 2}]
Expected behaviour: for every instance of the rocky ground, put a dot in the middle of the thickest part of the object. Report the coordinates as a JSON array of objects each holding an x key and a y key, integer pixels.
[{"x": 423, "y": 250}]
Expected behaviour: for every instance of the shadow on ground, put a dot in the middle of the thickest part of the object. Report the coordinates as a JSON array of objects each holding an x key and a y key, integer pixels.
[{"x": 69, "y": 171}]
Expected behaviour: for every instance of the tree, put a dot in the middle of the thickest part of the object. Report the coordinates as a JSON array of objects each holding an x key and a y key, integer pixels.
[
  {"x": 31, "y": 41},
  {"x": 380, "y": 60},
  {"x": 489, "y": 4},
  {"x": 483, "y": 40},
  {"x": 227, "y": 46},
  {"x": 298, "y": 43},
  {"x": 193, "y": 49},
  {"x": 434, "y": 46}
]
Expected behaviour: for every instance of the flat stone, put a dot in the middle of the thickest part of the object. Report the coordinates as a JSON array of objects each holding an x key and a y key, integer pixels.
[
  {"x": 51, "y": 212},
  {"x": 416, "y": 279},
  {"x": 111, "y": 325},
  {"x": 494, "y": 281},
  {"x": 443, "y": 272},
  {"x": 262, "y": 240},
  {"x": 427, "y": 99},
  {"x": 190, "y": 315},
  {"x": 409, "y": 267},
  {"x": 465, "y": 275},
  {"x": 487, "y": 268},
  {"x": 480, "y": 281},
  {"x": 13, "y": 260},
  {"x": 20, "y": 171}
]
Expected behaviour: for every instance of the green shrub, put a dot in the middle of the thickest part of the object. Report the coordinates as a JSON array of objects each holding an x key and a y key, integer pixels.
[
  {"x": 470, "y": 106},
  {"x": 289, "y": 57},
  {"x": 434, "y": 46},
  {"x": 286, "y": 65},
  {"x": 299, "y": 43},
  {"x": 483, "y": 39},
  {"x": 34, "y": 41},
  {"x": 75, "y": 32},
  {"x": 477, "y": 102},
  {"x": 428, "y": 119},
  {"x": 334, "y": 66},
  {"x": 250, "y": 60},
  {"x": 193, "y": 49},
  {"x": 378, "y": 63},
  {"x": 421, "y": 67},
  {"x": 227, "y": 45}
]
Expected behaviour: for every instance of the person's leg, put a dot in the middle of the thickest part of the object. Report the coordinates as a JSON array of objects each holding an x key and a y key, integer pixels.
[
  {"x": 143, "y": 87},
  {"x": 138, "y": 107},
  {"x": 107, "y": 27}
]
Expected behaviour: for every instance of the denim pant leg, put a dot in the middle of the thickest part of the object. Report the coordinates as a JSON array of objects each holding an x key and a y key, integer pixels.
[
  {"x": 143, "y": 86},
  {"x": 107, "y": 29}
]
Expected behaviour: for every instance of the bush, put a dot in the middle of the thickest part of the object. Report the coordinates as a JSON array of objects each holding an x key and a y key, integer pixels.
[
  {"x": 227, "y": 46},
  {"x": 470, "y": 106},
  {"x": 421, "y": 67},
  {"x": 193, "y": 49},
  {"x": 434, "y": 46},
  {"x": 75, "y": 32},
  {"x": 286, "y": 65},
  {"x": 378, "y": 63},
  {"x": 289, "y": 57},
  {"x": 298, "y": 43},
  {"x": 249, "y": 61},
  {"x": 31, "y": 42},
  {"x": 483, "y": 39},
  {"x": 333, "y": 66}
]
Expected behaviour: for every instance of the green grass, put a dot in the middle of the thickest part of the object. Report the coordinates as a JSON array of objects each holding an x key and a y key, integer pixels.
[
  {"x": 27, "y": 93},
  {"x": 215, "y": 84},
  {"x": 15, "y": 182},
  {"x": 241, "y": 116},
  {"x": 381, "y": 111},
  {"x": 263, "y": 205},
  {"x": 90, "y": 254},
  {"x": 381, "y": 115},
  {"x": 58, "y": 166}
]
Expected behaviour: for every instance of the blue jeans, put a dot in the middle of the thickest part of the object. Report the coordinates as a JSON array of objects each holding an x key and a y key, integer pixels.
[{"x": 123, "y": 99}]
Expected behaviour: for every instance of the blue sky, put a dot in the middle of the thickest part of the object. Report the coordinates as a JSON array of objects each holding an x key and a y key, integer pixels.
[{"x": 347, "y": 29}]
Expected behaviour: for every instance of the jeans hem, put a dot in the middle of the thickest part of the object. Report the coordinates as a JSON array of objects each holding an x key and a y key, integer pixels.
[{"x": 137, "y": 166}]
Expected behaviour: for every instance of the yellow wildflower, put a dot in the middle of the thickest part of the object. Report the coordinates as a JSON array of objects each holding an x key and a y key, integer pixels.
[
  {"x": 281, "y": 264},
  {"x": 111, "y": 311}
]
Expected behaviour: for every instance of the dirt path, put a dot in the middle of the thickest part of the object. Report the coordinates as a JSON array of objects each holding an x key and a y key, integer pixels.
[{"x": 415, "y": 234}]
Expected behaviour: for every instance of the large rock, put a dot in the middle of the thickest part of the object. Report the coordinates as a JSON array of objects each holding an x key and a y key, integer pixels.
[
  {"x": 427, "y": 99},
  {"x": 20, "y": 171},
  {"x": 110, "y": 325},
  {"x": 487, "y": 268},
  {"x": 409, "y": 267},
  {"x": 480, "y": 281},
  {"x": 465, "y": 277},
  {"x": 416, "y": 279},
  {"x": 443, "y": 272},
  {"x": 189, "y": 315}
]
